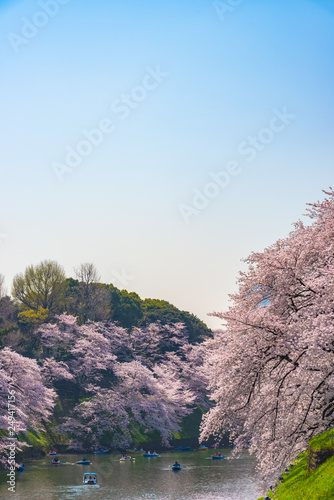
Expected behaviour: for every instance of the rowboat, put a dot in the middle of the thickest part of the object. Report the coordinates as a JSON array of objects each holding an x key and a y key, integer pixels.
[
  {"x": 218, "y": 457},
  {"x": 101, "y": 452},
  {"x": 90, "y": 478},
  {"x": 148, "y": 455},
  {"x": 125, "y": 459},
  {"x": 135, "y": 450},
  {"x": 52, "y": 452},
  {"x": 83, "y": 461},
  {"x": 55, "y": 461},
  {"x": 176, "y": 467},
  {"x": 183, "y": 448},
  {"x": 202, "y": 448}
]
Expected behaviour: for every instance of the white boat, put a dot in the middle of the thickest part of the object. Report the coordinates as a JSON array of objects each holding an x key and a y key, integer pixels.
[{"x": 89, "y": 478}]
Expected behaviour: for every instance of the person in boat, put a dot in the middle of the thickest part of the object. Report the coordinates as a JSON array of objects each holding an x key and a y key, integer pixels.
[
  {"x": 176, "y": 464},
  {"x": 219, "y": 454}
]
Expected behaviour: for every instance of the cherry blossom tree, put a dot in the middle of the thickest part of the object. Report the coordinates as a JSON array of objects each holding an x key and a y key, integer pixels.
[
  {"x": 125, "y": 380},
  {"x": 188, "y": 365},
  {"x": 156, "y": 398},
  {"x": 25, "y": 401},
  {"x": 103, "y": 415},
  {"x": 150, "y": 344},
  {"x": 272, "y": 366},
  {"x": 53, "y": 371}
]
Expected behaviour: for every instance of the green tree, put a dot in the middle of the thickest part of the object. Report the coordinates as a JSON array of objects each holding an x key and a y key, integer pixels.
[
  {"x": 94, "y": 296},
  {"x": 125, "y": 307},
  {"x": 40, "y": 286},
  {"x": 30, "y": 319},
  {"x": 87, "y": 302}
]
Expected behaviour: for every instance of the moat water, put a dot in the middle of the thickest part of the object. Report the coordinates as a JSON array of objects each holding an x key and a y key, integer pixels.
[{"x": 147, "y": 478}]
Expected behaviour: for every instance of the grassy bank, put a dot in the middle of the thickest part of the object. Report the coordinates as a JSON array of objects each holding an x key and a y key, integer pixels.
[{"x": 304, "y": 484}]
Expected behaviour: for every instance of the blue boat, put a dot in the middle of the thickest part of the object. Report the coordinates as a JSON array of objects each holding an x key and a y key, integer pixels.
[
  {"x": 101, "y": 452},
  {"x": 176, "y": 466},
  {"x": 218, "y": 457},
  {"x": 83, "y": 461},
  {"x": 148, "y": 455},
  {"x": 183, "y": 448}
]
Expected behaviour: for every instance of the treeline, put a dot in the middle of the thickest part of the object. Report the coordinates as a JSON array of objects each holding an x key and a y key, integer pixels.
[
  {"x": 43, "y": 291},
  {"x": 103, "y": 366}
]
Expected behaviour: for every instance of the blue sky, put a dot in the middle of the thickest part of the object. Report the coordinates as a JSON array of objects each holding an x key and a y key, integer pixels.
[{"x": 142, "y": 203}]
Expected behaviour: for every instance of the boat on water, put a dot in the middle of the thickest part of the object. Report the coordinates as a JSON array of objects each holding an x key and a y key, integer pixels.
[
  {"x": 20, "y": 467},
  {"x": 89, "y": 478},
  {"x": 183, "y": 448},
  {"x": 202, "y": 448},
  {"x": 100, "y": 452},
  {"x": 83, "y": 461},
  {"x": 149, "y": 454},
  {"x": 125, "y": 458},
  {"x": 55, "y": 461},
  {"x": 218, "y": 456},
  {"x": 52, "y": 452},
  {"x": 214, "y": 446},
  {"x": 176, "y": 466},
  {"x": 135, "y": 450}
]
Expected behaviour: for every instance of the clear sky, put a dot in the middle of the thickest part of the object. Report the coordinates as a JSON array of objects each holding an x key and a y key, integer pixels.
[{"x": 162, "y": 141}]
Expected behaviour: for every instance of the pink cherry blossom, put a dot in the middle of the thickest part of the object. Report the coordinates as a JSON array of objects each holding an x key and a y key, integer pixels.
[{"x": 272, "y": 366}]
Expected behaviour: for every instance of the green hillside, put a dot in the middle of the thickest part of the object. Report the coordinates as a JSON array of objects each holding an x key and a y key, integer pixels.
[{"x": 303, "y": 483}]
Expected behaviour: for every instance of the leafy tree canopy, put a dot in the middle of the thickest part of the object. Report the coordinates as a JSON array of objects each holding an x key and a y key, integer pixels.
[{"x": 40, "y": 286}]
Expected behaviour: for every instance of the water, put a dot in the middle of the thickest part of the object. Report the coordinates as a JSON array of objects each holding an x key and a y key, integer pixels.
[{"x": 147, "y": 478}]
